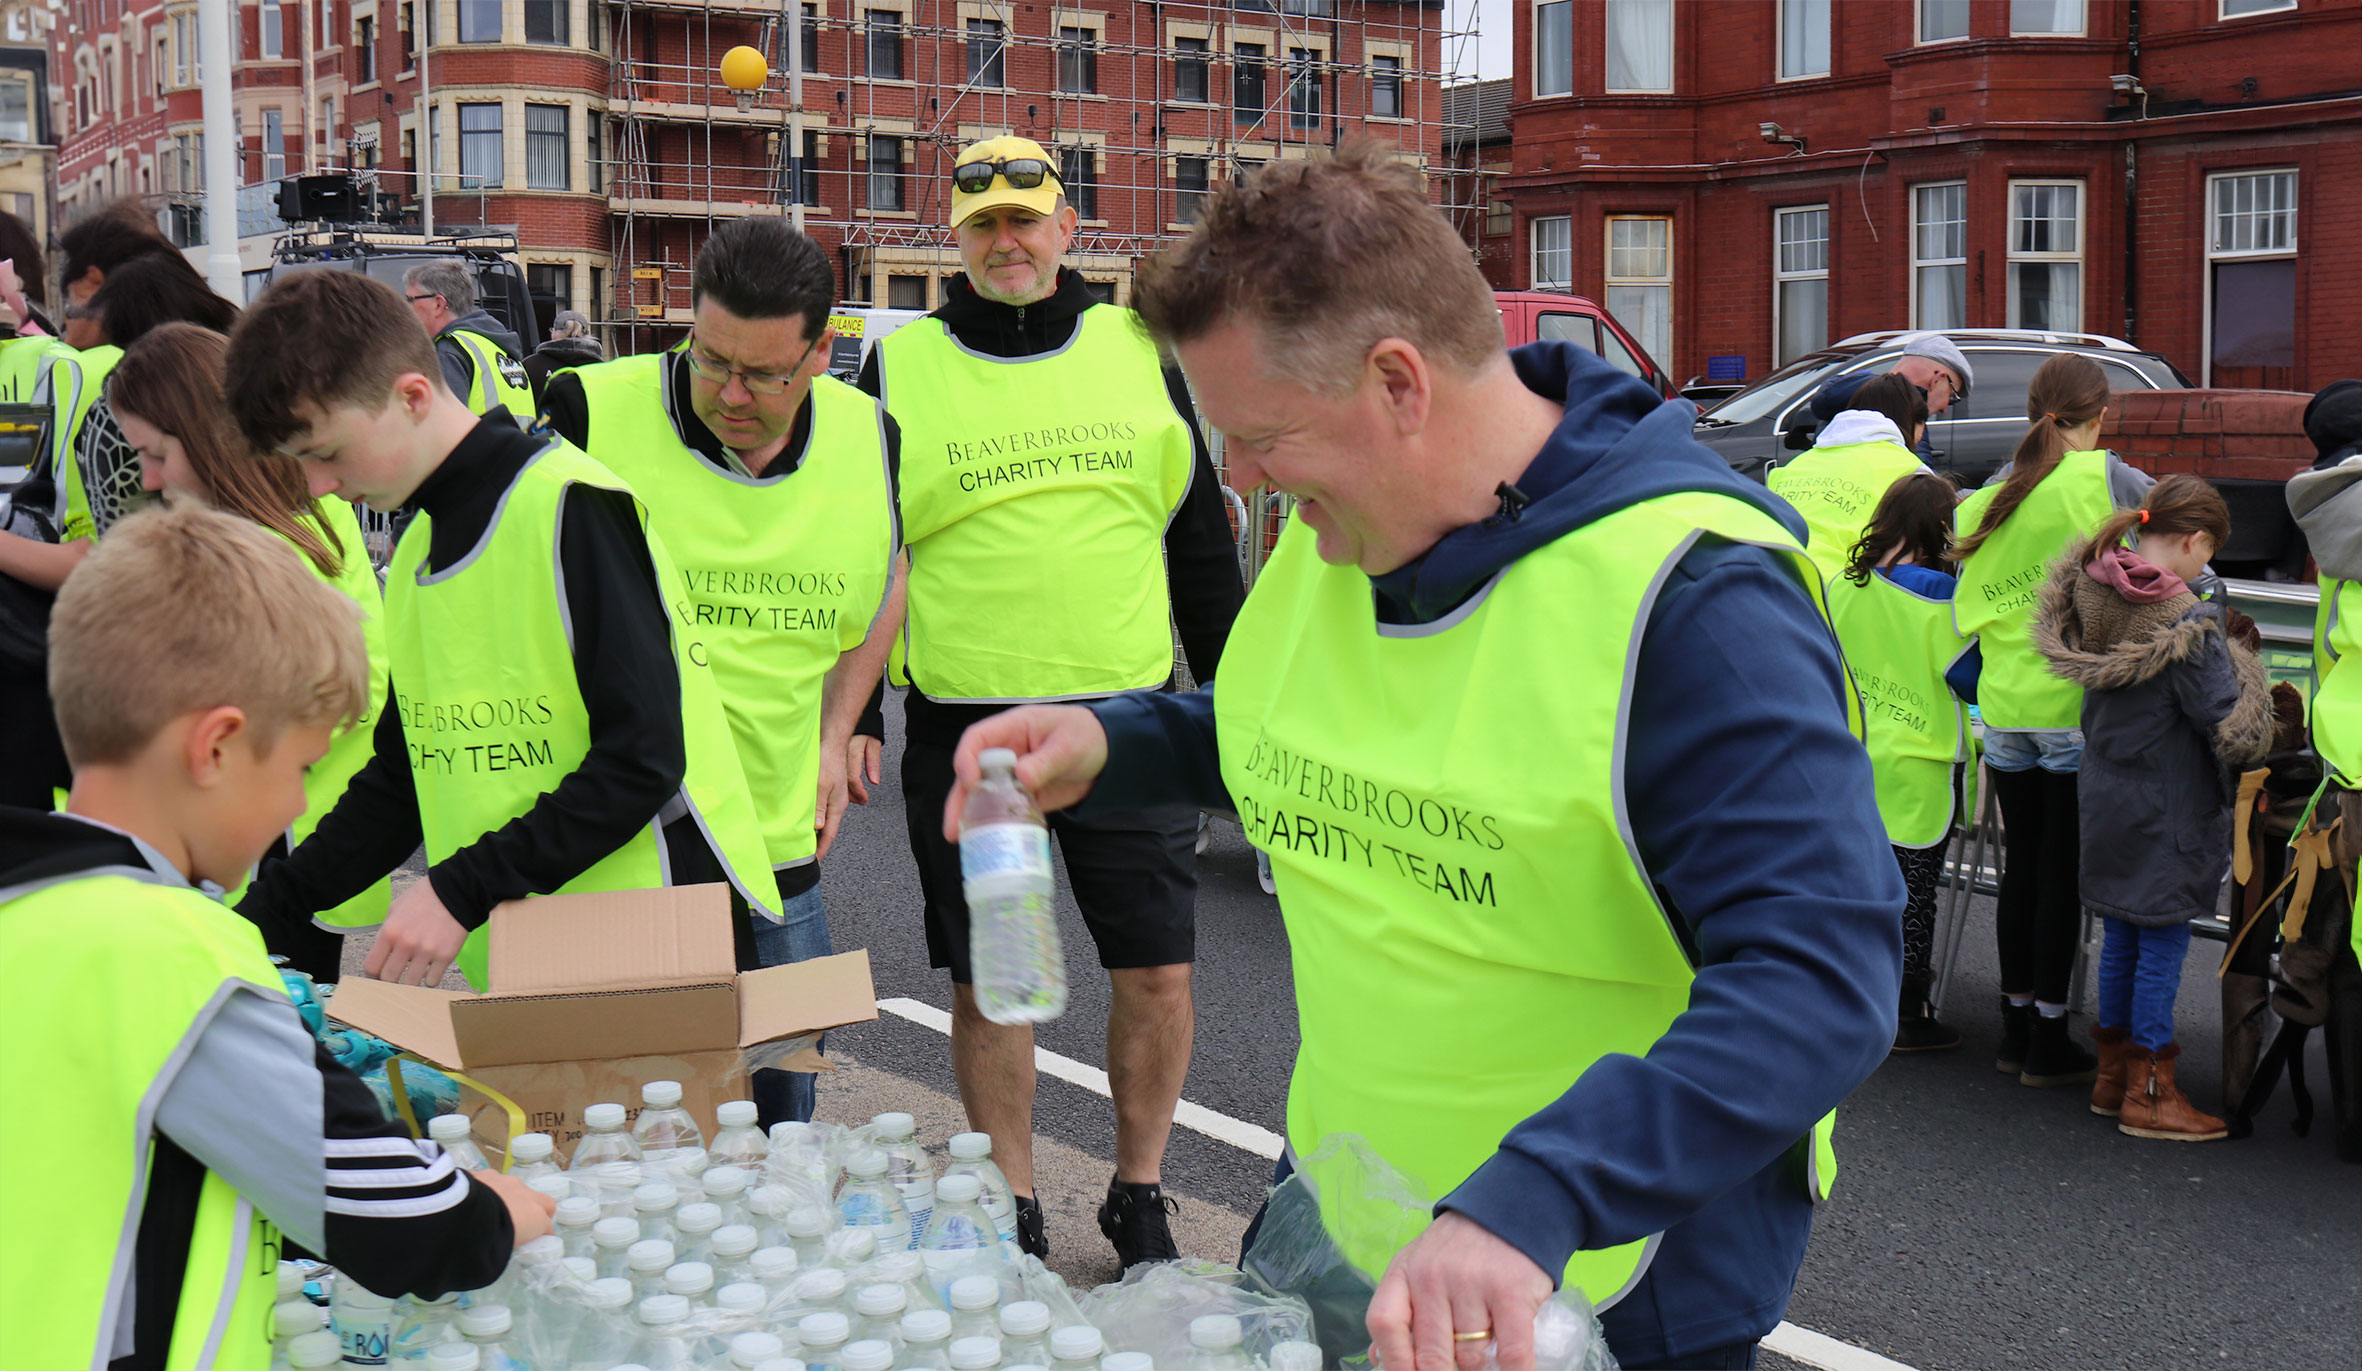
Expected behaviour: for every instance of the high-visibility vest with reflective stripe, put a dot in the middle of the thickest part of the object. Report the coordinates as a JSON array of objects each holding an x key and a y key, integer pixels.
[
  {"x": 2337, "y": 689},
  {"x": 500, "y": 380},
  {"x": 1035, "y": 493},
  {"x": 352, "y": 747},
  {"x": 1898, "y": 645},
  {"x": 492, "y": 712},
  {"x": 1837, "y": 489},
  {"x": 106, "y": 981},
  {"x": 75, "y": 380},
  {"x": 782, "y": 574},
  {"x": 2001, "y": 585},
  {"x": 1443, "y": 807},
  {"x": 20, "y": 366}
]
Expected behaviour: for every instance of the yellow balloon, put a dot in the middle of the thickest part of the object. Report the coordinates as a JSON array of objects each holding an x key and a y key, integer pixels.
[{"x": 743, "y": 68}]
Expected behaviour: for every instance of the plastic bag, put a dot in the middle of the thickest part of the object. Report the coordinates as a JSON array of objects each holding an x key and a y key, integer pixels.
[{"x": 1150, "y": 1309}]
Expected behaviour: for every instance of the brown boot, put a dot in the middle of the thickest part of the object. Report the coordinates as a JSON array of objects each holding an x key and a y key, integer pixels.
[
  {"x": 2107, "y": 1092},
  {"x": 2154, "y": 1107}
]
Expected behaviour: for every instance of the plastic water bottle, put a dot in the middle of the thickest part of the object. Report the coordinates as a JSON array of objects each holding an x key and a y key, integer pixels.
[
  {"x": 750, "y": 1350},
  {"x": 692, "y": 1281},
  {"x": 850, "y": 1248},
  {"x": 780, "y": 1364},
  {"x": 726, "y": 1186},
  {"x": 654, "y": 1205},
  {"x": 774, "y": 1268},
  {"x": 1295, "y": 1356},
  {"x": 648, "y": 1260},
  {"x": 291, "y": 1319},
  {"x": 767, "y": 1207},
  {"x": 684, "y": 1169},
  {"x": 419, "y": 1325},
  {"x": 806, "y": 1229},
  {"x": 694, "y": 1226},
  {"x": 733, "y": 1248},
  {"x": 513, "y": 1282},
  {"x": 867, "y": 1354},
  {"x": 612, "y": 1184},
  {"x": 909, "y": 1167},
  {"x": 879, "y": 1310},
  {"x": 364, "y": 1322},
  {"x": 454, "y": 1356},
  {"x": 1216, "y": 1344},
  {"x": 454, "y": 1131},
  {"x": 1078, "y": 1347},
  {"x": 824, "y": 1336},
  {"x": 908, "y": 1270},
  {"x": 1025, "y": 1332},
  {"x": 971, "y": 1155},
  {"x": 741, "y": 1304},
  {"x": 603, "y": 1139},
  {"x": 664, "y": 1128},
  {"x": 663, "y": 1343},
  {"x": 975, "y": 1303},
  {"x": 530, "y": 1155},
  {"x": 872, "y": 1201},
  {"x": 1019, "y": 969},
  {"x": 611, "y": 1241},
  {"x": 738, "y": 1143},
  {"x": 961, "y": 1233},
  {"x": 1127, "y": 1361},
  {"x": 926, "y": 1340},
  {"x": 820, "y": 1292},
  {"x": 975, "y": 1354},
  {"x": 607, "y": 1323},
  {"x": 487, "y": 1328},
  {"x": 314, "y": 1351},
  {"x": 557, "y": 1187}
]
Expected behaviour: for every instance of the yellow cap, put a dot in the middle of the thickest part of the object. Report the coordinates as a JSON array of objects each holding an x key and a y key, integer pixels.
[{"x": 1041, "y": 199}]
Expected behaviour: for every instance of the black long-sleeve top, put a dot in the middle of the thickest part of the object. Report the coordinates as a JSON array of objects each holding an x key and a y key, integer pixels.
[
  {"x": 630, "y": 686},
  {"x": 1201, "y": 561}
]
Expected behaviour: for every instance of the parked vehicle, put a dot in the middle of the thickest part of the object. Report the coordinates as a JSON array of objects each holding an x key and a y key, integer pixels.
[
  {"x": 385, "y": 254},
  {"x": 1757, "y": 428},
  {"x": 859, "y": 328},
  {"x": 1529, "y": 316}
]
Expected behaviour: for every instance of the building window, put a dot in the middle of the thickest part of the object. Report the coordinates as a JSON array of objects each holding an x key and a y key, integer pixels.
[
  {"x": 1189, "y": 70},
  {"x": 1386, "y": 88},
  {"x": 1639, "y": 46},
  {"x": 1189, "y": 188},
  {"x": 984, "y": 53},
  {"x": 594, "y": 174},
  {"x": 551, "y": 281},
  {"x": 885, "y": 172},
  {"x": 479, "y": 146},
  {"x": 906, "y": 292},
  {"x": 2240, "y": 9},
  {"x": 1554, "y": 48},
  {"x": 365, "y": 47},
  {"x": 2054, "y": 17},
  {"x": 1247, "y": 99},
  {"x": 409, "y": 39},
  {"x": 16, "y": 109},
  {"x": 1303, "y": 88},
  {"x": 545, "y": 148},
  {"x": 598, "y": 294},
  {"x": 1804, "y": 39},
  {"x": 479, "y": 21},
  {"x": 2251, "y": 280},
  {"x": 1800, "y": 276},
  {"x": 327, "y": 129},
  {"x": 545, "y": 22},
  {"x": 1499, "y": 217},
  {"x": 1078, "y": 61},
  {"x": 184, "y": 46},
  {"x": 274, "y": 31},
  {"x": 811, "y": 43},
  {"x": 1553, "y": 251},
  {"x": 1640, "y": 280},
  {"x": 1078, "y": 172},
  {"x": 274, "y": 145},
  {"x": 1939, "y": 255},
  {"x": 2046, "y": 255},
  {"x": 803, "y": 174},
  {"x": 885, "y": 50},
  {"x": 1941, "y": 21}
]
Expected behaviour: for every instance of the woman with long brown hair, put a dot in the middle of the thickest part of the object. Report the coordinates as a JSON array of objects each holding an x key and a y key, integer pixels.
[
  {"x": 166, "y": 394},
  {"x": 2058, "y": 488}
]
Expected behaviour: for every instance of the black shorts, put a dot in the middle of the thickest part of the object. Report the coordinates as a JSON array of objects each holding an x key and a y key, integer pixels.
[{"x": 1134, "y": 874}]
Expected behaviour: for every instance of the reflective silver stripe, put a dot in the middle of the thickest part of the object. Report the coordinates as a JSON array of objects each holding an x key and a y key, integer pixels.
[
  {"x": 491, "y": 526},
  {"x": 1071, "y": 340},
  {"x": 1458, "y": 616},
  {"x": 233, "y": 1275},
  {"x": 764, "y": 907},
  {"x": 1812, "y": 1163}
]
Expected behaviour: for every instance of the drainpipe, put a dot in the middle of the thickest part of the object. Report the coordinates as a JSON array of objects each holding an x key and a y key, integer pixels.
[{"x": 2132, "y": 184}]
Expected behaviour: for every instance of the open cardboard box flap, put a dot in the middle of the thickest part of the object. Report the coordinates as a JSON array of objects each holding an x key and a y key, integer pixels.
[{"x": 612, "y": 940}]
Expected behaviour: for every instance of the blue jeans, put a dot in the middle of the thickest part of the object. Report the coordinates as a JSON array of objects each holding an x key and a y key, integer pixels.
[
  {"x": 2056, "y": 750},
  {"x": 788, "y": 1096},
  {"x": 2140, "y": 973}
]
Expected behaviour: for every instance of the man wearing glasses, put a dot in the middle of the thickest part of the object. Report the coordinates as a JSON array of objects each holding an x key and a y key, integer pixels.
[
  {"x": 770, "y": 484},
  {"x": 482, "y": 362},
  {"x": 1929, "y": 361},
  {"x": 1063, "y": 520}
]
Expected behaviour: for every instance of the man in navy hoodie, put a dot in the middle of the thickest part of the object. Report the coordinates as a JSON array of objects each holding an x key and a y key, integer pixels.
[{"x": 1592, "y": 917}]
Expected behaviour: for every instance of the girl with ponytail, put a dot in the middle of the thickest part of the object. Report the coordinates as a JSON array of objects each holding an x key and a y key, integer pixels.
[{"x": 2056, "y": 492}]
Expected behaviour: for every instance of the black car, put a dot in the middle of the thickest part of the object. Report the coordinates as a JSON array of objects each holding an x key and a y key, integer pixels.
[{"x": 1763, "y": 425}]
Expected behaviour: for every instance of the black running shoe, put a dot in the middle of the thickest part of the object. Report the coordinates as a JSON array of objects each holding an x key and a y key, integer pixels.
[
  {"x": 1134, "y": 1220},
  {"x": 1031, "y": 1240}
]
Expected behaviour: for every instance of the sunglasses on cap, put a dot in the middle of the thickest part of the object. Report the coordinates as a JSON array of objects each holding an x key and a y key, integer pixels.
[{"x": 1022, "y": 173}]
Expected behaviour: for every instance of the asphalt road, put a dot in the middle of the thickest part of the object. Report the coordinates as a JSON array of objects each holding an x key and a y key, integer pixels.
[{"x": 1977, "y": 1223}]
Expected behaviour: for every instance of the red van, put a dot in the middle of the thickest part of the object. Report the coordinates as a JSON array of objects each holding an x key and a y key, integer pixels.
[{"x": 1529, "y": 316}]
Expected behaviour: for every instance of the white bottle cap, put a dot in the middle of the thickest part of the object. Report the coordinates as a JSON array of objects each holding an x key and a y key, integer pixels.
[
  {"x": 1215, "y": 1331},
  {"x": 1025, "y": 1319},
  {"x": 583, "y": 1269},
  {"x": 688, "y": 1278},
  {"x": 615, "y": 1232},
  {"x": 531, "y": 1147},
  {"x": 660, "y": 1094},
  {"x": 617, "y": 1175},
  {"x": 969, "y": 1147},
  {"x": 881, "y": 1301},
  {"x": 485, "y": 1320},
  {"x": 824, "y": 1329},
  {"x": 454, "y": 1356},
  {"x": 611, "y": 1292},
  {"x": 700, "y": 1217},
  {"x": 779, "y": 1364},
  {"x": 315, "y": 1351},
  {"x": 894, "y": 1127},
  {"x": 1077, "y": 1342},
  {"x": 750, "y": 1349},
  {"x": 1127, "y": 1361},
  {"x": 995, "y": 757},
  {"x": 735, "y": 1114},
  {"x": 290, "y": 1278},
  {"x": 866, "y": 1164},
  {"x": 1024, "y": 1366},
  {"x": 958, "y": 1189},
  {"x": 658, "y": 1310},
  {"x": 555, "y": 1186},
  {"x": 770, "y": 1263},
  {"x": 1295, "y": 1356},
  {"x": 686, "y": 1161},
  {"x": 820, "y": 1286},
  {"x": 603, "y": 1116},
  {"x": 741, "y": 1297},
  {"x": 656, "y": 1195},
  {"x": 351, "y": 1294},
  {"x": 290, "y": 1317},
  {"x": 549, "y": 1247},
  {"x": 975, "y": 1354},
  {"x": 790, "y": 1133},
  {"x": 738, "y": 1240},
  {"x": 449, "y": 1128},
  {"x": 726, "y": 1180},
  {"x": 975, "y": 1292},
  {"x": 926, "y": 1325},
  {"x": 577, "y": 1210},
  {"x": 900, "y": 1267},
  {"x": 851, "y": 1246},
  {"x": 650, "y": 1254},
  {"x": 869, "y": 1354}
]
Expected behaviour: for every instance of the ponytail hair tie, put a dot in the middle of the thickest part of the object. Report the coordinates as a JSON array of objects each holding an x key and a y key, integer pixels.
[
  {"x": 2144, "y": 515},
  {"x": 2052, "y": 417}
]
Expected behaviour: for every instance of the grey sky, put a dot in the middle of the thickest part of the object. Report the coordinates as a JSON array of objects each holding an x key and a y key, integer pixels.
[{"x": 1486, "y": 56}]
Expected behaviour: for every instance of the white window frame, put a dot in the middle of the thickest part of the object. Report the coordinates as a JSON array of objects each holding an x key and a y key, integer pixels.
[
  {"x": 1780, "y": 41},
  {"x": 270, "y": 36},
  {"x": 274, "y": 130},
  {"x": 1562, "y": 225},
  {"x": 2222, "y": 10},
  {"x": 1919, "y": 36},
  {"x": 2014, "y": 255},
  {"x": 1566, "y": 57},
  {"x": 1611, "y": 280},
  {"x": 1781, "y": 275},
  {"x": 2216, "y": 254},
  {"x": 2080, "y": 30},
  {"x": 1607, "y": 19},
  {"x": 1918, "y": 262}
]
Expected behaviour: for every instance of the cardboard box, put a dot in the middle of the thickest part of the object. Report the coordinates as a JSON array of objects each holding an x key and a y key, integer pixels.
[{"x": 595, "y": 995}]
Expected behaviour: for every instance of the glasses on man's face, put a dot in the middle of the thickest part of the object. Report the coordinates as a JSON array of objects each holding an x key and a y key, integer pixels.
[
  {"x": 1022, "y": 173},
  {"x": 717, "y": 373},
  {"x": 417, "y": 299}
]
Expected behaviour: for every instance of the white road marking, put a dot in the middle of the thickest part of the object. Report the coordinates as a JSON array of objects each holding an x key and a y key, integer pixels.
[{"x": 1797, "y": 1344}]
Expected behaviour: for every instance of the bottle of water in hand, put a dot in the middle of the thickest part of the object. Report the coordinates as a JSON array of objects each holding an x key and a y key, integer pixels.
[{"x": 1019, "y": 969}]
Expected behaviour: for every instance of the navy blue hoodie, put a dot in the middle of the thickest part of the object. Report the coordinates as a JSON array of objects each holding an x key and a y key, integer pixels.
[{"x": 1754, "y": 813}]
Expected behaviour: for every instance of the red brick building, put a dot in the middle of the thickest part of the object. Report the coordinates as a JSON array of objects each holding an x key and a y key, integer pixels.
[{"x": 1743, "y": 180}]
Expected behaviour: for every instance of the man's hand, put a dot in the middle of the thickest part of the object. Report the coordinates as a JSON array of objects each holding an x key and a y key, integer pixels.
[
  {"x": 1060, "y": 752},
  {"x": 863, "y": 757},
  {"x": 829, "y": 811},
  {"x": 1457, "y": 1278},
  {"x": 528, "y": 1209},
  {"x": 417, "y": 941}
]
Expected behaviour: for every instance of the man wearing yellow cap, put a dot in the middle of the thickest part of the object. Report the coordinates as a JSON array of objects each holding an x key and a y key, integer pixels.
[{"x": 1062, "y": 519}]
